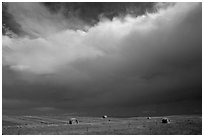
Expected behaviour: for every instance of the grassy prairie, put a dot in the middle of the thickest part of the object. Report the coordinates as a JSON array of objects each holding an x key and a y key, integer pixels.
[{"x": 58, "y": 125}]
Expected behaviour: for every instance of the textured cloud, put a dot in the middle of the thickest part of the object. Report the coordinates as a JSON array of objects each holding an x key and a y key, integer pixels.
[
  {"x": 54, "y": 46},
  {"x": 154, "y": 58}
]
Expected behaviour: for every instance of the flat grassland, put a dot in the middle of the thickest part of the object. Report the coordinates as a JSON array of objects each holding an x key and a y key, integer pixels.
[{"x": 58, "y": 125}]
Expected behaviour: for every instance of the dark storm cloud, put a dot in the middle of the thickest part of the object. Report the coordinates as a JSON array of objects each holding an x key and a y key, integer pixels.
[
  {"x": 91, "y": 12},
  {"x": 8, "y": 22},
  {"x": 135, "y": 63}
]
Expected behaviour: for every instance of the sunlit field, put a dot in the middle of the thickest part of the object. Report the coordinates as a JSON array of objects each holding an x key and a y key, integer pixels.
[{"x": 58, "y": 125}]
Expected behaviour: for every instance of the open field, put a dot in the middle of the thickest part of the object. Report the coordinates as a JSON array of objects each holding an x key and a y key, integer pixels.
[{"x": 191, "y": 124}]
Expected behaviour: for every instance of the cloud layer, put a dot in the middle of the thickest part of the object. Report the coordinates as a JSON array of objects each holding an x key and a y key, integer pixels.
[{"x": 127, "y": 62}]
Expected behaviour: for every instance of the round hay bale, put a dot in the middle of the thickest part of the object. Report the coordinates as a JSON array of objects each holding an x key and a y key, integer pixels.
[
  {"x": 104, "y": 116},
  {"x": 148, "y": 117},
  {"x": 73, "y": 121},
  {"x": 165, "y": 120}
]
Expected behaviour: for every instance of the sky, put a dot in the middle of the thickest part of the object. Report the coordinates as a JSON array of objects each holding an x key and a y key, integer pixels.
[{"x": 118, "y": 59}]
